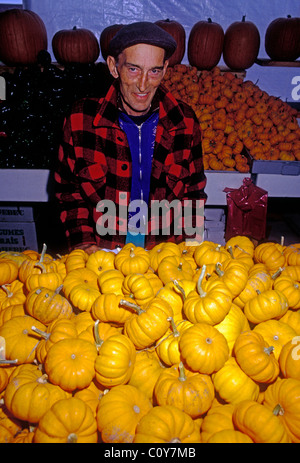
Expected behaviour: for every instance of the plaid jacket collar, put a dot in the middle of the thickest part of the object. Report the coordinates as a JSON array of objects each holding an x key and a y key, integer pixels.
[{"x": 170, "y": 114}]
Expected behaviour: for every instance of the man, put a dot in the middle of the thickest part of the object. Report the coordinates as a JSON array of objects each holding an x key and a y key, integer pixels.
[{"x": 130, "y": 164}]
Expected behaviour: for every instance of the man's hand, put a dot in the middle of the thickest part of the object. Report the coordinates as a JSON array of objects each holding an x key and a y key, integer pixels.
[{"x": 89, "y": 248}]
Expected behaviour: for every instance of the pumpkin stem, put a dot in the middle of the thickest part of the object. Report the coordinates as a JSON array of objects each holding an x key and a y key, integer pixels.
[
  {"x": 58, "y": 289},
  {"x": 44, "y": 249},
  {"x": 173, "y": 326},
  {"x": 98, "y": 340},
  {"x": 175, "y": 440},
  {"x": 41, "y": 333},
  {"x": 72, "y": 438},
  {"x": 278, "y": 410},
  {"x": 182, "y": 376},
  {"x": 42, "y": 379},
  {"x": 8, "y": 292},
  {"x": 8, "y": 362},
  {"x": 180, "y": 288},
  {"x": 230, "y": 250},
  {"x": 277, "y": 273},
  {"x": 199, "y": 282},
  {"x": 131, "y": 305},
  {"x": 218, "y": 269},
  {"x": 41, "y": 266},
  {"x": 241, "y": 249},
  {"x": 269, "y": 350},
  {"x": 131, "y": 254}
]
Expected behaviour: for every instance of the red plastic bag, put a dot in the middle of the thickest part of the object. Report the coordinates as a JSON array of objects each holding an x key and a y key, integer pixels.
[{"x": 247, "y": 211}]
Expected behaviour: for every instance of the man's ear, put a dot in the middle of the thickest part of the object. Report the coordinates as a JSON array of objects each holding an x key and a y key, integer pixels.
[
  {"x": 166, "y": 64},
  {"x": 112, "y": 66}
]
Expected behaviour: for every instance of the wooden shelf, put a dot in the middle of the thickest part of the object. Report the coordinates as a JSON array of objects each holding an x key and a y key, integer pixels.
[{"x": 270, "y": 62}]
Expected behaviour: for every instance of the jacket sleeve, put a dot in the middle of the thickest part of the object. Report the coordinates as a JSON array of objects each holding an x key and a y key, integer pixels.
[{"x": 74, "y": 211}]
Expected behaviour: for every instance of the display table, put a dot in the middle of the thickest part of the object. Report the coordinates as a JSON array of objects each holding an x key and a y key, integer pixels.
[{"x": 36, "y": 185}]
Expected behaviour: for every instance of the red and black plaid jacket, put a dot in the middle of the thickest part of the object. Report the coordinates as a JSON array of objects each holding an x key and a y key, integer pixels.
[{"x": 94, "y": 164}]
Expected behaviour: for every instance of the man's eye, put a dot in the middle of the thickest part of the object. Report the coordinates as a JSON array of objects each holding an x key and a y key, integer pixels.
[{"x": 155, "y": 72}]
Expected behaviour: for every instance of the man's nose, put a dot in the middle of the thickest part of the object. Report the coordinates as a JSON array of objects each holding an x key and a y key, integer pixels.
[{"x": 142, "y": 83}]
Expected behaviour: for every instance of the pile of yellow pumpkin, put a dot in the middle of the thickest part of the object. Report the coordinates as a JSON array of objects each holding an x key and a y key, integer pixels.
[
  {"x": 177, "y": 344},
  {"x": 235, "y": 115}
]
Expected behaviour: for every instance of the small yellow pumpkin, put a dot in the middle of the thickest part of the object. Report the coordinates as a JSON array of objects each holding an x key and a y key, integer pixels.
[
  {"x": 109, "y": 307},
  {"x": 266, "y": 305},
  {"x": 165, "y": 424},
  {"x": 162, "y": 250},
  {"x": 217, "y": 419},
  {"x": 209, "y": 252},
  {"x": 132, "y": 259},
  {"x": 233, "y": 385},
  {"x": 230, "y": 436},
  {"x": 271, "y": 255},
  {"x": 115, "y": 361},
  {"x": 149, "y": 323},
  {"x": 70, "y": 363},
  {"x": 146, "y": 371},
  {"x": 68, "y": 421},
  {"x": 203, "y": 348},
  {"x": 29, "y": 395},
  {"x": 179, "y": 387},
  {"x": 276, "y": 333},
  {"x": 255, "y": 357},
  {"x": 232, "y": 325},
  {"x": 290, "y": 288},
  {"x": 101, "y": 260},
  {"x": 210, "y": 303},
  {"x": 167, "y": 347},
  {"x": 119, "y": 412},
  {"x": 175, "y": 268},
  {"x": 47, "y": 305},
  {"x": 138, "y": 287},
  {"x": 259, "y": 423},
  {"x": 286, "y": 394},
  {"x": 289, "y": 359},
  {"x": 20, "y": 339}
]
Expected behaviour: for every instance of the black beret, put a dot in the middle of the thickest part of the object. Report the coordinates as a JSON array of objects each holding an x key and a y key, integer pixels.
[{"x": 142, "y": 32}]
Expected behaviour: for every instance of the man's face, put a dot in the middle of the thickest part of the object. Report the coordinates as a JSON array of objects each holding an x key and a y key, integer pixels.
[{"x": 140, "y": 69}]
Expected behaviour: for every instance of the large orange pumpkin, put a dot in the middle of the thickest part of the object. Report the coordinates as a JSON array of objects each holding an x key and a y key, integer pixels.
[
  {"x": 75, "y": 46},
  {"x": 22, "y": 36},
  {"x": 282, "y": 39},
  {"x": 105, "y": 37},
  {"x": 205, "y": 44},
  {"x": 241, "y": 44},
  {"x": 177, "y": 31}
]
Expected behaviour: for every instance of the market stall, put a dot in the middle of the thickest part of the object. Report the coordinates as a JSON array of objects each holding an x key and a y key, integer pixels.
[{"x": 184, "y": 343}]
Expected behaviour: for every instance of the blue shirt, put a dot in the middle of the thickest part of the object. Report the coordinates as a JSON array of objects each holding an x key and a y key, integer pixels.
[{"x": 141, "y": 140}]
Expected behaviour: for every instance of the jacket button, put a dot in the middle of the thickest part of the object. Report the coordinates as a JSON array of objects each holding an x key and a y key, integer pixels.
[{"x": 124, "y": 167}]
